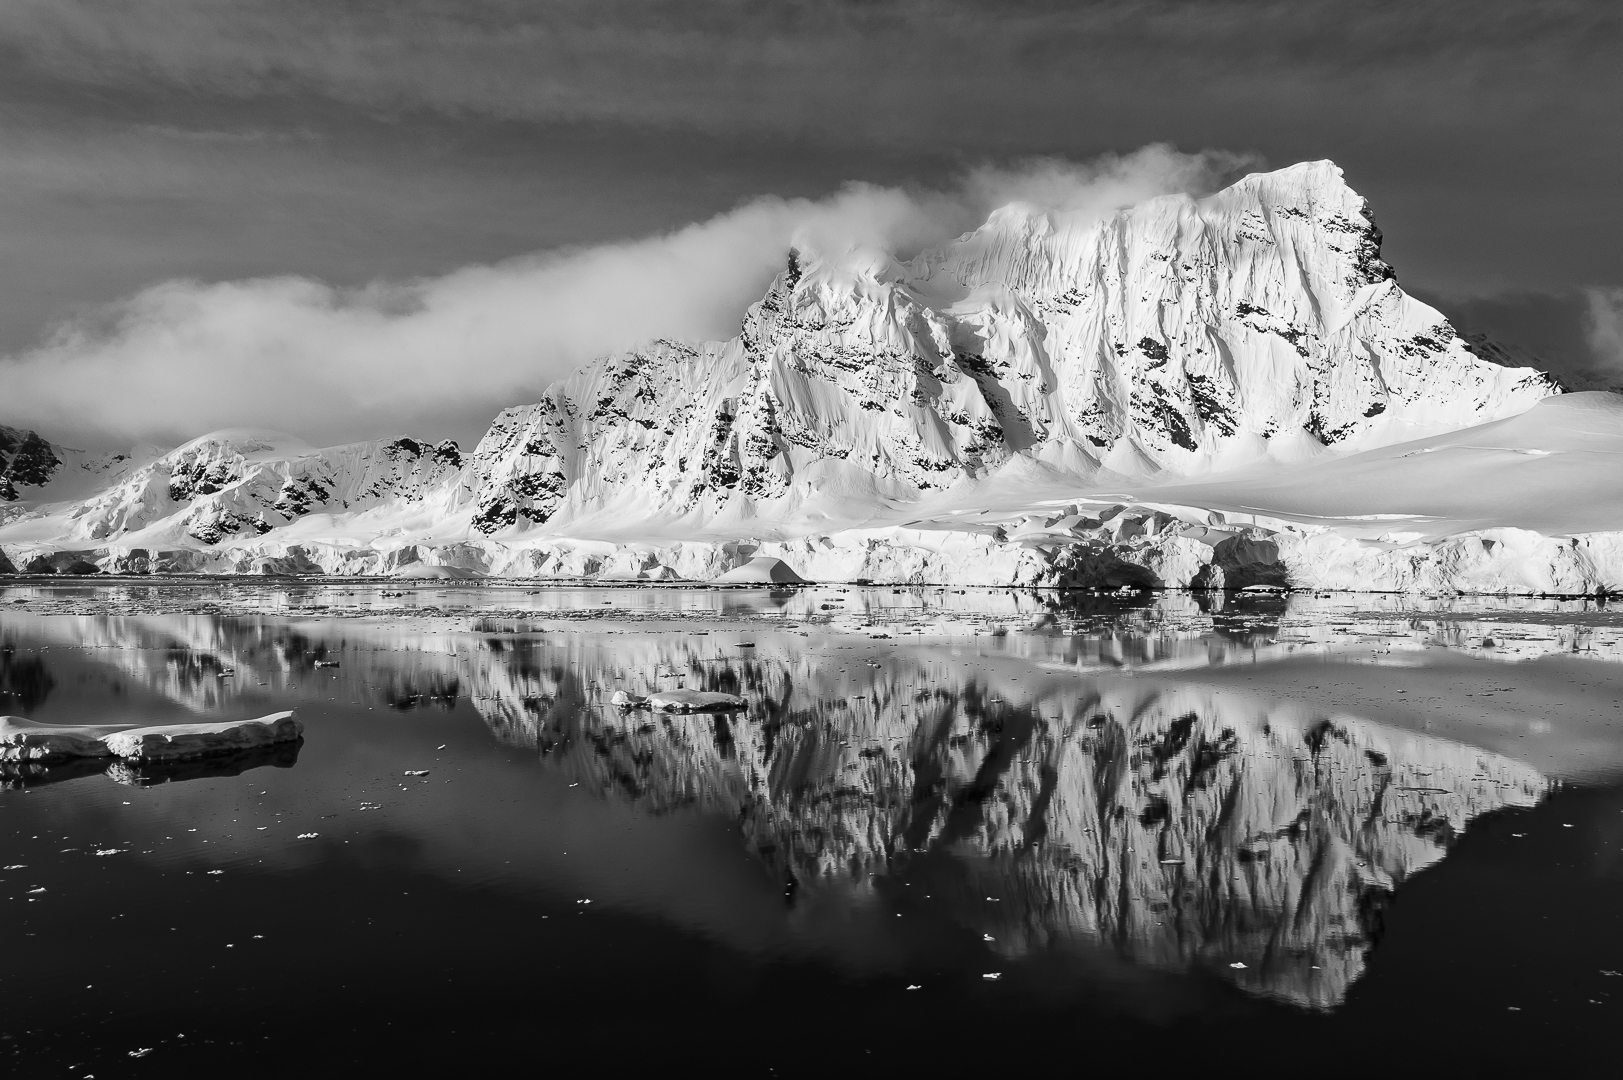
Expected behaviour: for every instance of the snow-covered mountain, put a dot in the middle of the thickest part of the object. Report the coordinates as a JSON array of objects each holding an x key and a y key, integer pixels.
[
  {"x": 35, "y": 470},
  {"x": 1175, "y": 338},
  {"x": 247, "y": 483},
  {"x": 1047, "y": 400}
]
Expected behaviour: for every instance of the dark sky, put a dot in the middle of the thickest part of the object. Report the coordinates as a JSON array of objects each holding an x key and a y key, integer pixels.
[{"x": 355, "y": 141}]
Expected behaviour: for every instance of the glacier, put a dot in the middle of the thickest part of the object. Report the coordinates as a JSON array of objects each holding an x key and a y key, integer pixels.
[{"x": 1222, "y": 392}]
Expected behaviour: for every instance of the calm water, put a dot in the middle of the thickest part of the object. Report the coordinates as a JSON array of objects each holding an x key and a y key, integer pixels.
[{"x": 951, "y": 832}]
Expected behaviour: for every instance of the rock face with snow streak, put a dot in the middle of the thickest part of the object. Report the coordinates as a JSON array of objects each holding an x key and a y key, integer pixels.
[
  {"x": 1173, "y": 337},
  {"x": 32, "y": 468}
]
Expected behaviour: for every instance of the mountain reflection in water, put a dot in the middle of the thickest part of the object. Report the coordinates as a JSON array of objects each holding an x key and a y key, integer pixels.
[
  {"x": 1183, "y": 827},
  {"x": 1052, "y": 805}
]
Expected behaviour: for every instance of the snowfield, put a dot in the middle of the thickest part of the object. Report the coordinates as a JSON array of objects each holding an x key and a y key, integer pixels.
[{"x": 1213, "y": 393}]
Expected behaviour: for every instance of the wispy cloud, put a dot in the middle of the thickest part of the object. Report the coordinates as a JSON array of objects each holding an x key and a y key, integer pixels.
[
  {"x": 182, "y": 357},
  {"x": 1606, "y": 332}
]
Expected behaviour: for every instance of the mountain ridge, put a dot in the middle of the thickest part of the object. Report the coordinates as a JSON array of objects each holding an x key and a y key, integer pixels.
[{"x": 1003, "y": 408}]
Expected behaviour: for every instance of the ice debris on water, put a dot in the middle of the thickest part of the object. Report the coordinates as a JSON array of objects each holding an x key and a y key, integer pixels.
[
  {"x": 308, "y": 835},
  {"x": 1237, "y": 964},
  {"x": 141, "y": 1052},
  {"x": 110, "y": 851},
  {"x": 416, "y": 772},
  {"x": 914, "y": 986},
  {"x": 993, "y": 975}
]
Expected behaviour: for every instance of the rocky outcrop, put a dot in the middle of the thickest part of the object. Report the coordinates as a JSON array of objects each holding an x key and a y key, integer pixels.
[
  {"x": 32, "y": 468},
  {"x": 26, "y": 460}
]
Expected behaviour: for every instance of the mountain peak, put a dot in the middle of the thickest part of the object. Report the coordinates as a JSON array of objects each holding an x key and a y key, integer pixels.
[{"x": 1169, "y": 339}]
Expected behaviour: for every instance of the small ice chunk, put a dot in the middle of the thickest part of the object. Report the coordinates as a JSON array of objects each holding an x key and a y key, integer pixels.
[
  {"x": 308, "y": 835},
  {"x": 416, "y": 772},
  {"x": 993, "y": 975},
  {"x": 694, "y": 701},
  {"x": 761, "y": 570},
  {"x": 624, "y": 700}
]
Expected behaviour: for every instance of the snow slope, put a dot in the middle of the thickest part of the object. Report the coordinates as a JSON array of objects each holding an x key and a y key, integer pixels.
[
  {"x": 1191, "y": 393},
  {"x": 33, "y": 470}
]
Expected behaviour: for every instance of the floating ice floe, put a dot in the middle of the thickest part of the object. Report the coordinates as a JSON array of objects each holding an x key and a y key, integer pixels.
[
  {"x": 679, "y": 701},
  {"x": 28, "y": 740},
  {"x": 761, "y": 570},
  {"x": 426, "y": 572}
]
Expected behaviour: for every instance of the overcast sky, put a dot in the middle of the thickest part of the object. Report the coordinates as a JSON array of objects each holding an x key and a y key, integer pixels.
[{"x": 160, "y": 158}]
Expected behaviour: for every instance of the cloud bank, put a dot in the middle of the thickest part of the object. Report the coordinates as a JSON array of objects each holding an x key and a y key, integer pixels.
[
  {"x": 185, "y": 357},
  {"x": 1606, "y": 333}
]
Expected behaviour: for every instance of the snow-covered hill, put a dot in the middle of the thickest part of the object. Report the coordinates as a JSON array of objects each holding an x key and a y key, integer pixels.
[{"x": 1179, "y": 394}]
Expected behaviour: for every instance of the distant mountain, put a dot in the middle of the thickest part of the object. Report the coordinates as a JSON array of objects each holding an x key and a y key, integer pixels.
[
  {"x": 32, "y": 468},
  {"x": 247, "y": 483}
]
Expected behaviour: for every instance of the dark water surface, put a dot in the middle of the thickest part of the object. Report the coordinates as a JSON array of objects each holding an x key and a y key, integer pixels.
[{"x": 1351, "y": 836}]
